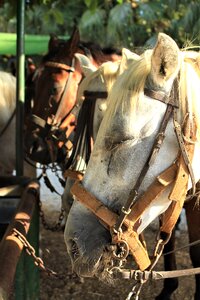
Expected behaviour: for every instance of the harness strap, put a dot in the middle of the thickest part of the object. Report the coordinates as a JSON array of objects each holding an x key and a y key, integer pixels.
[
  {"x": 161, "y": 96},
  {"x": 76, "y": 175},
  {"x": 109, "y": 218},
  {"x": 155, "y": 190},
  {"x": 179, "y": 191},
  {"x": 38, "y": 121},
  {"x": 190, "y": 134},
  {"x": 62, "y": 104},
  {"x": 154, "y": 150},
  {"x": 59, "y": 66},
  {"x": 134, "y": 191}
]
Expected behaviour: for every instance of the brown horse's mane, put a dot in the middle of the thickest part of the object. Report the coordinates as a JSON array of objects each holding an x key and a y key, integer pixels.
[
  {"x": 99, "y": 54},
  {"x": 90, "y": 49}
]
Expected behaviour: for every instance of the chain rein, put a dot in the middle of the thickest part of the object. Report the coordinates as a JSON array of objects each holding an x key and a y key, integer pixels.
[{"x": 38, "y": 260}]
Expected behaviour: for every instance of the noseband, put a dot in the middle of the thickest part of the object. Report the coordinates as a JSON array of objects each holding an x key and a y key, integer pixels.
[{"x": 123, "y": 227}]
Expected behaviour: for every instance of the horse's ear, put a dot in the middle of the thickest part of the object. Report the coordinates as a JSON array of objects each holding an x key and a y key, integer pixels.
[
  {"x": 165, "y": 59},
  {"x": 74, "y": 40},
  {"x": 127, "y": 56},
  {"x": 53, "y": 42},
  {"x": 86, "y": 66}
]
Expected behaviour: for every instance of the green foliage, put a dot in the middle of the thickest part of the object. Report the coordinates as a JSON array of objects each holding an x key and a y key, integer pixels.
[
  {"x": 91, "y": 4},
  {"x": 7, "y": 18},
  {"x": 192, "y": 20},
  {"x": 92, "y": 25},
  {"x": 122, "y": 23}
]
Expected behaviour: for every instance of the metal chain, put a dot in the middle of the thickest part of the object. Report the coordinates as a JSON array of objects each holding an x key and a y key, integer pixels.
[
  {"x": 38, "y": 260},
  {"x": 136, "y": 290},
  {"x": 58, "y": 225}
]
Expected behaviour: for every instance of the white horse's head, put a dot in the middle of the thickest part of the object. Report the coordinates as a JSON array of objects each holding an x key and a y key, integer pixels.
[
  {"x": 101, "y": 80},
  {"x": 124, "y": 141}
]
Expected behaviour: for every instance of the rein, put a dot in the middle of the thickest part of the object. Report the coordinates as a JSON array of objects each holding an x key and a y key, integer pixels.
[{"x": 123, "y": 227}]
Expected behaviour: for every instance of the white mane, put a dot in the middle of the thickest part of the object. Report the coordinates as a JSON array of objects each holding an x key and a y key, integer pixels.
[{"x": 7, "y": 96}]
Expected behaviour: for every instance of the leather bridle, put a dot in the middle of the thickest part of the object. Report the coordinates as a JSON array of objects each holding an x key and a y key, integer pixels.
[
  {"x": 123, "y": 227},
  {"x": 53, "y": 119},
  {"x": 57, "y": 128}
]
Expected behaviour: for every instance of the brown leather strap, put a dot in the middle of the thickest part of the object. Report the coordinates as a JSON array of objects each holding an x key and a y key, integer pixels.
[
  {"x": 131, "y": 222},
  {"x": 190, "y": 134},
  {"x": 59, "y": 66},
  {"x": 154, "y": 151},
  {"x": 160, "y": 96},
  {"x": 179, "y": 191},
  {"x": 76, "y": 175},
  {"x": 157, "y": 95},
  {"x": 155, "y": 190},
  {"x": 109, "y": 218}
]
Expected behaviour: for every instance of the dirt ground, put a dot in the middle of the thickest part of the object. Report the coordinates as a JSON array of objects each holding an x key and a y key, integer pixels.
[{"x": 55, "y": 257}]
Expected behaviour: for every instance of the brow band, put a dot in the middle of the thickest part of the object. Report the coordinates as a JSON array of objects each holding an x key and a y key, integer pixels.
[{"x": 59, "y": 66}]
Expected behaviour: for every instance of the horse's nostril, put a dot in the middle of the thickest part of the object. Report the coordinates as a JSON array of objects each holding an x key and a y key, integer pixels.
[{"x": 74, "y": 250}]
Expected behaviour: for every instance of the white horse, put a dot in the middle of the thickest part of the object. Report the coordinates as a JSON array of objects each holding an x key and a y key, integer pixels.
[
  {"x": 122, "y": 148},
  {"x": 8, "y": 126}
]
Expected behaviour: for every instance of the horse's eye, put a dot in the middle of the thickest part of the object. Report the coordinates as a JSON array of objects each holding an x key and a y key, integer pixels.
[{"x": 54, "y": 91}]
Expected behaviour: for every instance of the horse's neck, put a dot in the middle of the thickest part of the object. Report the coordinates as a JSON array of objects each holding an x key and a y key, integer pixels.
[{"x": 7, "y": 99}]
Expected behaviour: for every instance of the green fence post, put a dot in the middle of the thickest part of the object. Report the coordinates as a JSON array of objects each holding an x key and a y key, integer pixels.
[{"x": 27, "y": 275}]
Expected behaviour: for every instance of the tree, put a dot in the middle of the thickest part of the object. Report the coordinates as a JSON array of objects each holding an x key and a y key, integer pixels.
[{"x": 127, "y": 23}]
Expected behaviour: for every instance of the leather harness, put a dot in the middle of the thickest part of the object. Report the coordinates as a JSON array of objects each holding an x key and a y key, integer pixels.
[
  {"x": 56, "y": 129},
  {"x": 123, "y": 227}
]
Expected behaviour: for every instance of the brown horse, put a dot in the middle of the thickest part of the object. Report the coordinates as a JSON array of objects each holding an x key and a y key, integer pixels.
[{"x": 54, "y": 93}]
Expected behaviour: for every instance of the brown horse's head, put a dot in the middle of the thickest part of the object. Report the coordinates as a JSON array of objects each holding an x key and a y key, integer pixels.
[
  {"x": 55, "y": 89},
  {"x": 54, "y": 109}
]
